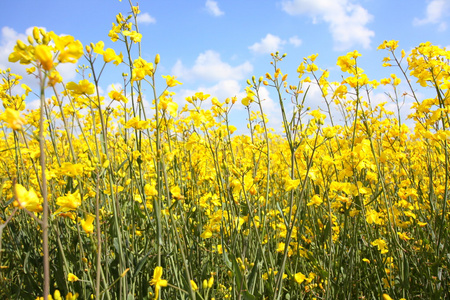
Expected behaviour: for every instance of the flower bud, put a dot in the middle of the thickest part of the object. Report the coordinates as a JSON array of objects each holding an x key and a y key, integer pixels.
[
  {"x": 157, "y": 59},
  {"x": 36, "y": 34},
  {"x": 46, "y": 39},
  {"x": 21, "y": 45},
  {"x": 211, "y": 282}
]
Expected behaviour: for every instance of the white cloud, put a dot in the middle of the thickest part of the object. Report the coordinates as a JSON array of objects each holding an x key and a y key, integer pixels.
[
  {"x": 209, "y": 66},
  {"x": 434, "y": 14},
  {"x": 145, "y": 18},
  {"x": 347, "y": 21},
  {"x": 213, "y": 8},
  {"x": 268, "y": 44},
  {"x": 294, "y": 40}
]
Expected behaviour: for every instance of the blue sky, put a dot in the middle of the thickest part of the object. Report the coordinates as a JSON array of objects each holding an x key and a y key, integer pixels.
[{"x": 215, "y": 46}]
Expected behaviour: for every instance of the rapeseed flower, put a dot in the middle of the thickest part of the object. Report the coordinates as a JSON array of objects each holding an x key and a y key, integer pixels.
[
  {"x": 27, "y": 199},
  {"x": 157, "y": 281},
  {"x": 68, "y": 202},
  {"x": 87, "y": 223},
  {"x": 13, "y": 119}
]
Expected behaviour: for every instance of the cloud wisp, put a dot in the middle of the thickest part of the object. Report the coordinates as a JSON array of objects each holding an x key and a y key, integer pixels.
[
  {"x": 347, "y": 21},
  {"x": 213, "y": 8}
]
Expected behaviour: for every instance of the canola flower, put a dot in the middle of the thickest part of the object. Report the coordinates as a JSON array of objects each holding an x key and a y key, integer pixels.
[
  {"x": 343, "y": 201},
  {"x": 13, "y": 119},
  {"x": 27, "y": 199},
  {"x": 157, "y": 281}
]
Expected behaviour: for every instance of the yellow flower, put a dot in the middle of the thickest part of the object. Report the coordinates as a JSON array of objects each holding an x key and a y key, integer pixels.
[
  {"x": 219, "y": 249},
  {"x": 381, "y": 245},
  {"x": 98, "y": 48},
  {"x": 54, "y": 77},
  {"x": 68, "y": 202},
  {"x": 421, "y": 224},
  {"x": 157, "y": 281},
  {"x": 43, "y": 54},
  {"x": 83, "y": 87},
  {"x": 403, "y": 236},
  {"x": 299, "y": 277},
  {"x": 13, "y": 119},
  {"x": 206, "y": 234},
  {"x": 70, "y": 169},
  {"x": 134, "y": 36},
  {"x": 168, "y": 105},
  {"x": 71, "y": 296},
  {"x": 87, "y": 224},
  {"x": 70, "y": 50},
  {"x": 137, "y": 124},
  {"x": 141, "y": 69},
  {"x": 110, "y": 55},
  {"x": 372, "y": 216},
  {"x": 27, "y": 199},
  {"x": 291, "y": 184},
  {"x": 117, "y": 95},
  {"x": 72, "y": 278},
  {"x": 315, "y": 200},
  {"x": 280, "y": 247},
  {"x": 170, "y": 81}
]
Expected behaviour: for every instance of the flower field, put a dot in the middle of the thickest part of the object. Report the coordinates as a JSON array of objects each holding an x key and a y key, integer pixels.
[{"x": 102, "y": 198}]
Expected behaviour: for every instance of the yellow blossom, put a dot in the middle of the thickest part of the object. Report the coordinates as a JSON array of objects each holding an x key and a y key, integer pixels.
[
  {"x": 83, "y": 87},
  {"x": 291, "y": 184},
  {"x": 68, "y": 202},
  {"x": 72, "y": 277},
  {"x": 43, "y": 54},
  {"x": 27, "y": 199},
  {"x": 13, "y": 119},
  {"x": 299, "y": 277},
  {"x": 110, "y": 55},
  {"x": 381, "y": 245},
  {"x": 87, "y": 223},
  {"x": 315, "y": 200},
  {"x": 157, "y": 281},
  {"x": 170, "y": 81}
]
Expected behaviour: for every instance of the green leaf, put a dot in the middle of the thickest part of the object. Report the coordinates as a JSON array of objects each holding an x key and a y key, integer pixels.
[
  {"x": 227, "y": 260},
  {"x": 254, "y": 272},
  {"x": 237, "y": 272},
  {"x": 248, "y": 296},
  {"x": 140, "y": 264}
]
